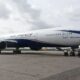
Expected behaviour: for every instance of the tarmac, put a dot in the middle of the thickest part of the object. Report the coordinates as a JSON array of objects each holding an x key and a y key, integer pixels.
[{"x": 39, "y": 65}]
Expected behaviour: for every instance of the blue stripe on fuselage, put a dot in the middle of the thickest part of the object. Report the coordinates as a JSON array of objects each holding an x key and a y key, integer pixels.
[
  {"x": 35, "y": 43},
  {"x": 72, "y": 31}
]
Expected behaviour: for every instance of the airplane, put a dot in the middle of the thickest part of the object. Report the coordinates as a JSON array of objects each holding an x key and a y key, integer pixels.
[{"x": 53, "y": 37}]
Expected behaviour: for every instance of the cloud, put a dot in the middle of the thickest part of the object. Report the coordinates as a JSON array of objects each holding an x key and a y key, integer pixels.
[
  {"x": 58, "y": 12},
  {"x": 24, "y": 15},
  {"x": 20, "y": 12},
  {"x": 4, "y": 12},
  {"x": 11, "y": 19},
  {"x": 73, "y": 17},
  {"x": 25, "y": 8}
]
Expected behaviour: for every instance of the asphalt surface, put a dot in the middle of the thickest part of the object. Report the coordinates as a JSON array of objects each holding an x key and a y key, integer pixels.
[
  {"x": 73, "y": 74},
  {"x": 41, "y": 65}
]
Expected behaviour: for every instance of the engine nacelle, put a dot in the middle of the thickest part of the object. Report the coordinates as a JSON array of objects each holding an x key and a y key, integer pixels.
[
  {"x": 2, "y": 45},
  {"x": 35, "y": 48}
]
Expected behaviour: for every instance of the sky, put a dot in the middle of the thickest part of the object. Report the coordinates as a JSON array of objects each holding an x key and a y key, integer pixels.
[{"x": 18, "y": 16}]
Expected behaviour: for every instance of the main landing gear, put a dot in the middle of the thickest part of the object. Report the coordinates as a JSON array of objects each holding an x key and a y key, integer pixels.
[
  {"x": 79, "y": 52},
  {"x": 17, "y": 51},
  {"x": 72, "y": 52},
  {"x": 65, "y": 52}
]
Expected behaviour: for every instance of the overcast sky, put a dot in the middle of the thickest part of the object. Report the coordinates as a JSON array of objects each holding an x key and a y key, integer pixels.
[{"x": 23, "y": 15}]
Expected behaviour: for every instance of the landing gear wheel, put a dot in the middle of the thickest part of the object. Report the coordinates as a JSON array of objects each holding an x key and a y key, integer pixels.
[
  {"x": 79, "y": 52},
  {"x": 65, "y": 53},
  {"x": 17, "y": 51},
  {"x": 0, "y": 51},
  {"x": 72, "y": 53}
]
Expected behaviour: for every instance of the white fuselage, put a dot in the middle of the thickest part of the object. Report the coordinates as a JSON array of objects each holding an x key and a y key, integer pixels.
[
  {"x": 56, "y": 36},
  {"x": 69, "y": 36}
]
